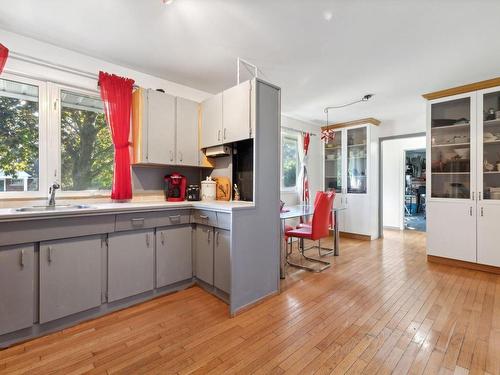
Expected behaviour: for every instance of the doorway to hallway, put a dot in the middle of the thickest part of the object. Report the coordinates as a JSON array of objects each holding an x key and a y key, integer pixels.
[{"x": 415, "y": 190}]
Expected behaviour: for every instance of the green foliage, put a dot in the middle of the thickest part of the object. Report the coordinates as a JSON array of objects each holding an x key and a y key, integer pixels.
[
  {"x": 18, "y": 136},
  {"x": 86, "y": 150},
  {"x": 289, "y": 162}
]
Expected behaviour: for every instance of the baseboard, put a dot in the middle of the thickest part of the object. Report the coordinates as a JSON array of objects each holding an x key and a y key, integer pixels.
[
  {"x": 463, "y": 264},
  {"x": 251, "y": 305},
  {"x": 355, "y": 236}
]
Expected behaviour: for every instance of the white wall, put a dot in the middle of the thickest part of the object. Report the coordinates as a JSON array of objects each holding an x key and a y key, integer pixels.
[
  {"x": 393, "y": 169},
  {"x": 27, "y": 46},
  {"x": 315, "y": 166}
]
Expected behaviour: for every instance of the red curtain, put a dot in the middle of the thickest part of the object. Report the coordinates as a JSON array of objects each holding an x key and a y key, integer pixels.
[
  {"x": 4, "y": 53},
  {"x": 116, "y": 93}
]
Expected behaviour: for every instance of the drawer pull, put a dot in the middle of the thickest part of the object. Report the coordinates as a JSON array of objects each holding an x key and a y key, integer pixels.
[
  {"x": 204, "y": 217},
  {"x": 175, "y": 217},
  {"x": 22, "y": 258},
  {"x": 138, "y": 221}
]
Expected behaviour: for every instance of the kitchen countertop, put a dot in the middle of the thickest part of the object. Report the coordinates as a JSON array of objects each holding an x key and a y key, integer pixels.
[{"x": 10, "y": 214}]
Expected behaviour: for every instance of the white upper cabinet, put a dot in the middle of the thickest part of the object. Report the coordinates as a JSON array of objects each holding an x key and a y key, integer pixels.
[
  {"x": 187, "y": 133},
  {"x": 236, "y": 113},
  {"x": 226, "y": 117},
  {"x": 211, "y": 121}
]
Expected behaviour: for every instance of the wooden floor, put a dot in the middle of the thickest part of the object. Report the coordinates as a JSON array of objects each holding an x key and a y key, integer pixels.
[{"x": 380, "y": 308}]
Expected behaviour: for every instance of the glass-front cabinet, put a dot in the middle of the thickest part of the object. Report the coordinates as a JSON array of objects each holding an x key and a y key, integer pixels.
[
  {"x": 357, "y": 157},
  {"x": 333, "y": 163},
  {"x": 451, "y": 148},
  {"x": 489, "y": 145}
]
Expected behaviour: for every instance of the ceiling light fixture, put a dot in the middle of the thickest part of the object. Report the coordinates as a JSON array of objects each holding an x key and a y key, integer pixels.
[{"x": 365, "y": 98}]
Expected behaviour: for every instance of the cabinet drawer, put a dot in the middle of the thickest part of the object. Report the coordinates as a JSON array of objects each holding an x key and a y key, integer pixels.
[
  {"x": 223, "y": 220},
  {"x": 204, "y": 217},
  {"x": 137, "y": 220},
  {"x": 174, "y": 217}
]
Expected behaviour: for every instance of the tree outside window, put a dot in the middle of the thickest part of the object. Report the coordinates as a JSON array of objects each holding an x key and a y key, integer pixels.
[{"x": 289, "y": 161}]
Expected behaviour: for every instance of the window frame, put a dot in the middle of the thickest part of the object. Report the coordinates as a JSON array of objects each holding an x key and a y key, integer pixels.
[
  {"x": 49, "y": 127},
  {"x": 294, "y": 137},
  {"x": 43, "y": 136}
]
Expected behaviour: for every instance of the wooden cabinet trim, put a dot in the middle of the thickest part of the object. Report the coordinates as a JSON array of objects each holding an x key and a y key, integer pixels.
[{"x": 481, "y": 85}]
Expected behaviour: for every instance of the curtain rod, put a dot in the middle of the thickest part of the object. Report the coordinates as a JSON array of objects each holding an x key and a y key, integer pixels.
[
  {"x": 48, "y": 64},
  {"x": 299, "y": 131}
]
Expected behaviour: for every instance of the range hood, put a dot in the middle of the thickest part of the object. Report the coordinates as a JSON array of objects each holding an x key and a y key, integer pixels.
[{"x": 217, "y": 151}]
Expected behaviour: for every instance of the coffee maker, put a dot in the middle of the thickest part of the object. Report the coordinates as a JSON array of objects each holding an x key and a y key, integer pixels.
[{"x": 175, "y": 187}]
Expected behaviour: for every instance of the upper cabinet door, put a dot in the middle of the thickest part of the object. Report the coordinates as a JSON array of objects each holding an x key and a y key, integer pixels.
[
  {"x": 161, "y": 128},
  {"x": 236, "y": 113},
  {"x": 187, "y": 132},
  {"x": 451, "y": 124},
  {"x": 211, "y": 121},
  {"x": 357, "y": 160},
  {"x": 488, "y": 145}
]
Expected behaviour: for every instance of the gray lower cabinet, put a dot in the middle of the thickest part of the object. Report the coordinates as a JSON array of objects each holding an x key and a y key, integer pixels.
[
  {"x": 222, "y": 260},
  {"x": 204, "y": 253},
  {"x": 70, "y": 276},
  {"x": 173, "y": 255},
  {"x": 17, "y": 277},
  {"x": 130, "y": 263}
]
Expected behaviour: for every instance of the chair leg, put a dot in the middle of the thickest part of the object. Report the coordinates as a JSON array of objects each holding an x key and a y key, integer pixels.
[{"x": 324, "y": 264}]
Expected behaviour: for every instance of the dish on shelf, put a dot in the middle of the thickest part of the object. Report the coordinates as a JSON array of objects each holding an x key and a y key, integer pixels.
[
  {"x": 488, "y": 166},
  {"x": 440, "y": 122},
  {"x": 449, "y": 154},
  {"x": 462, "y": 153}
]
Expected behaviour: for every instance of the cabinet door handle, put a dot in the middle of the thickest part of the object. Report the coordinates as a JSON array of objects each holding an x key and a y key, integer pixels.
[
  {"x": 147, "y": 239},
  {"x": 180, "y": 156},
  {"x": 171, "y": 155},
  {"x": 473, "y": 196},
  {"x": 480, "y": 195},
  {"x": 470, "y": 211},
  {"x": 138, "y": 221},
  {"x": 482, "y": 212},
  {"x": 22, "y": 258},
  {"x": 49, "y": 254},
  {"x": 217, "y": 238},
  {"x": 162, "y": 235},
  {"x": 208, "y": 232},
  {"x": 224, "y": 133},
  {"x": 218, "y": 135}
]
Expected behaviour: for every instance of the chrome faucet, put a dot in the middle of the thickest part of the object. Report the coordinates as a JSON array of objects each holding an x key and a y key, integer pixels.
[{"x": 52, "y": 192}]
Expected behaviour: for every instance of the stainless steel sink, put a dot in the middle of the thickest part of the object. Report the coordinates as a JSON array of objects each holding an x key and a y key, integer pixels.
[{"x": 57, "y": 207}]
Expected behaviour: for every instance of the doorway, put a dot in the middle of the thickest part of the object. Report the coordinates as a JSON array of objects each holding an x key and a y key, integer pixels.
[
  {"x": 415, "y": 190},
  {"x": 393, "y": 181}
]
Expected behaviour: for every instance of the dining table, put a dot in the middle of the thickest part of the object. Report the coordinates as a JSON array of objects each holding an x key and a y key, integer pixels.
[{"x": 303, "y": 211}]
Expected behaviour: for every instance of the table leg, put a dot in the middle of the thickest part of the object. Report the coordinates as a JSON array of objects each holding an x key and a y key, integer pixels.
[
  {"x": 282, "y": 250},
  {"x": 336, "y": 239}
]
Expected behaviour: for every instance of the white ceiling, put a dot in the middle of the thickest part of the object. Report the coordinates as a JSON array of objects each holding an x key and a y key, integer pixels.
[{"x": 320, "y": 52}]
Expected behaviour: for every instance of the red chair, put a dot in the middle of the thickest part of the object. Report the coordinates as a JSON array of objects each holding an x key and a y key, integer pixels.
[{"x": 319, "y": 228}]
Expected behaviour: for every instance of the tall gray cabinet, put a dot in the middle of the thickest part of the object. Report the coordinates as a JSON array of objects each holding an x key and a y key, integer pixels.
[{"x": 16, "y": 287}]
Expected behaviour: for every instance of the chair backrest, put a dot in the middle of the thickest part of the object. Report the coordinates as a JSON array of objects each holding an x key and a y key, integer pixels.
[{"x": 320, "y": 225}]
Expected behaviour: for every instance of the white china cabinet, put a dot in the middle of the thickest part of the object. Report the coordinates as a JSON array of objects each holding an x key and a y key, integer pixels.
[
  {"x": 351, "y": 169},
  {"x": 463, "y": 207}
]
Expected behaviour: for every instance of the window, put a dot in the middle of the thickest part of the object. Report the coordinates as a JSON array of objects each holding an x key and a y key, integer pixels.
[
  {"x": 289, "y": 161},
  {"x": 86, "y": 146},
  {"x": 19, "y": 137},
  {"x": 42, "y": 142}
]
